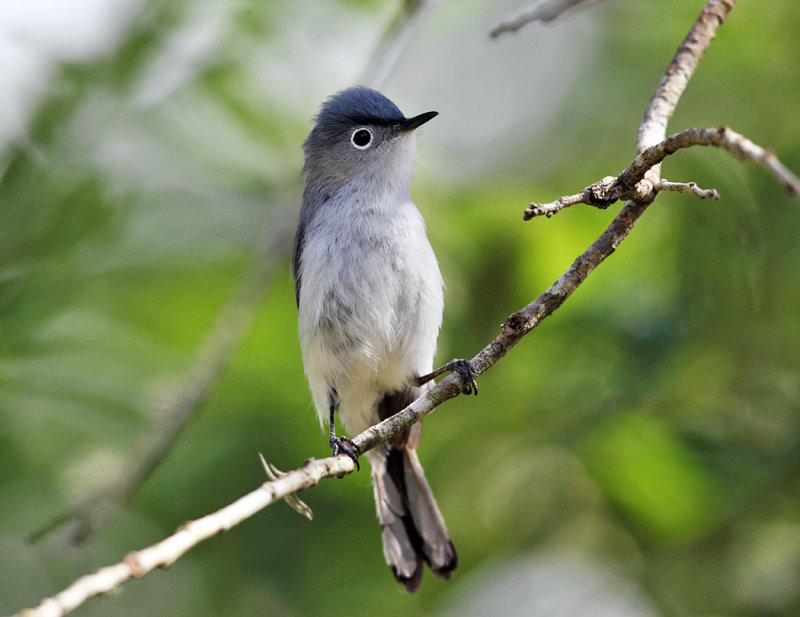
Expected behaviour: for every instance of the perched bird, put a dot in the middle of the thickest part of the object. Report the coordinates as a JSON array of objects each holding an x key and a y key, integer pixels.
[{"x": 369, "y": 299}]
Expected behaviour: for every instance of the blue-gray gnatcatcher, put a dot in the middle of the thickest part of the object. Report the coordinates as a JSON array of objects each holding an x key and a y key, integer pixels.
[{"x": 369, "y": 298}]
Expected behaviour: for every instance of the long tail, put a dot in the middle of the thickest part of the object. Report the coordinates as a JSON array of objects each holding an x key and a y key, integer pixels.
[{"x": 413, "y": 529}]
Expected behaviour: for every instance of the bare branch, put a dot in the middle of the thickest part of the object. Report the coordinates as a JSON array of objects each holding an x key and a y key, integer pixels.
[
  {"x": 634, "y": 183},
  {"x": 662, "y": 104},
  {"x": 601, "y": 194},
  {"x": 685, "y": 187},
  {"x": 544, "y": 13},
  {"x": 163, "y": 554},
  {"x": 643, "y": 174},
  {"x": 723, "y": 137}
]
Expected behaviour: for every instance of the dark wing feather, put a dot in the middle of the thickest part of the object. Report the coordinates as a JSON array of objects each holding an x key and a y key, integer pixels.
[{"x": 297, "y": 253}]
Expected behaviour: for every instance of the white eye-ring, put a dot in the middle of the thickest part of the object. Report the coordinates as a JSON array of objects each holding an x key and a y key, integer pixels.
[{"x": 361, "y": 138}]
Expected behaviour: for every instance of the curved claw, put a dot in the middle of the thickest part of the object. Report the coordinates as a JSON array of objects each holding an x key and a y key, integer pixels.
[
  {"x": 344, "y": 445},
  {"x": 466, "y": 372}
]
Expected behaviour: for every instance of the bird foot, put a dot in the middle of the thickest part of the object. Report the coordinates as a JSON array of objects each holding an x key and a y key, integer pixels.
[
  {"x": 346, "y": 446},
  {"x": 463, "y": 368},
  {"x": 466, "y": 372}
]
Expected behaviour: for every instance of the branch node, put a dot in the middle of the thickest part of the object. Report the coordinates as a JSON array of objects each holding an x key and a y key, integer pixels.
[
  {"x": 643, "y": 191},
  {"x": 515, "y": 323},
  {"x": 603, "y": 193},
  {"x": 132, "y": 561}
]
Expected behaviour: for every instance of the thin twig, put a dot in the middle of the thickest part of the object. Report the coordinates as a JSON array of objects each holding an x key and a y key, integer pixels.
[
  {"x": 601, "y": 194},
  {"x": 685, "y": 187},
  {"x": 723, "y": 137},
  {"x": 164, "y": 553},
  {"x": 544, "y": 13}
]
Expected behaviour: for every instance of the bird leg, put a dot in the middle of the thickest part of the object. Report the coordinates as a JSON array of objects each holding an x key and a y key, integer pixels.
[
  {"x": 342, "y": 445},
  {"x": 462, "y": 368}
]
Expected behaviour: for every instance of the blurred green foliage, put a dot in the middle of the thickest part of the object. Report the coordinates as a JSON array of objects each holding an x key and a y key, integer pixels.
[{"x": 651, "y": 425}]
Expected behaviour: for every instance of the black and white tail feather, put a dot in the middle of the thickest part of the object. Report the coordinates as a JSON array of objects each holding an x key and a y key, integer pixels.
[{"x": 413, "y": 529}]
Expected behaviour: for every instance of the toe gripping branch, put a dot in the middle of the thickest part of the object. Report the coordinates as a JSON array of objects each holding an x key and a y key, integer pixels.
[
  {"x": 466, "y": 372},
  {"x": 463, "y": 368},
  {"x": 346, "y": 446}
]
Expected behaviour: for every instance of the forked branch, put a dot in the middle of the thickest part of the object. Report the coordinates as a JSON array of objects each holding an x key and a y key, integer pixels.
[{"x": 634, "y": 184}]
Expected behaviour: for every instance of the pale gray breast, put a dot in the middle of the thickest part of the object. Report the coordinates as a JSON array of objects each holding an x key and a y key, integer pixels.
[{"x": 374, "y": 268}]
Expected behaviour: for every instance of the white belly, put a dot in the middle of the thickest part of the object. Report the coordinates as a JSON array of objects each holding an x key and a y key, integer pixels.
[{"x": 370, "y": 308}]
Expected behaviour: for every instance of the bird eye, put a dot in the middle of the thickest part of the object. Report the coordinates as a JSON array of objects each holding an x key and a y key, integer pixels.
[{"x": 361, "y": 139}]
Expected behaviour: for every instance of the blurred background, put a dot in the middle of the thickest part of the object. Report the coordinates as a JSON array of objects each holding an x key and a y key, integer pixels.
[{"x": 637, "y": 454}]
